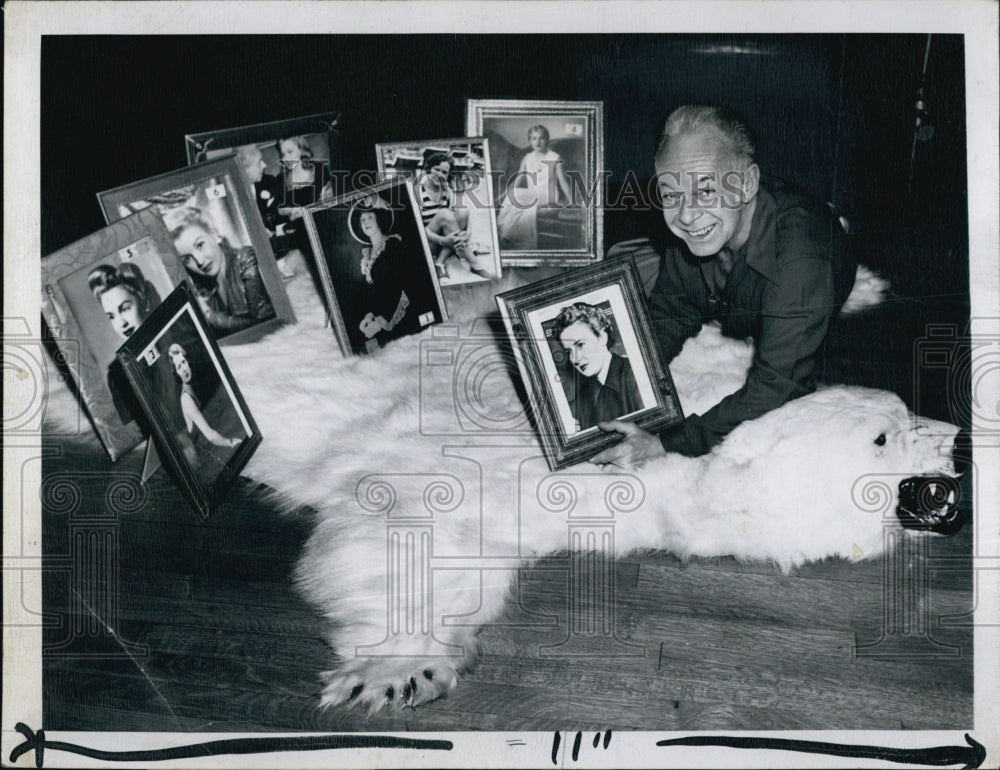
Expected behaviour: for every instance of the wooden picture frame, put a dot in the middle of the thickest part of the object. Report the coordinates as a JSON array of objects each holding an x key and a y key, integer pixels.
[
  {"x": 208, "y": 210},
  {"x": 549, "y": 197},
  {"x": 203, "y": 429},
  {"x": 584, "y": 346},
  {"x": 376, "y": 294},
  {"x": 459, "y": 204},
  {"x": 96, "y": 293}
]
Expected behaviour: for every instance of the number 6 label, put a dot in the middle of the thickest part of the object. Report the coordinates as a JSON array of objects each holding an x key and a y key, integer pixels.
[{"x": 216, "y": 191}]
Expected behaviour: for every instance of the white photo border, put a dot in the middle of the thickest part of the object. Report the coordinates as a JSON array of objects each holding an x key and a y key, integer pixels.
[{"x": 26, "y": 24}]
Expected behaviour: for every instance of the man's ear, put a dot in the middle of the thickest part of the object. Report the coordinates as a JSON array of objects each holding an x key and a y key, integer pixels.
[{"x": 751, "y": 182}]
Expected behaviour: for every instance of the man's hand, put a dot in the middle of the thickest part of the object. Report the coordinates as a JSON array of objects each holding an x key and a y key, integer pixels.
[{"x": 638, "y": 448}]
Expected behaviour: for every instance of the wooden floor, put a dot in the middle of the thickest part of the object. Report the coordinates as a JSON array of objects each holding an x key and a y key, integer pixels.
[
  {"x": 196, "y": 625},
  {"x": 209, "y": 635}
]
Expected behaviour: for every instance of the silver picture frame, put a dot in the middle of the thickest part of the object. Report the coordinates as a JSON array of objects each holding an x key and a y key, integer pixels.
[{"x": 549, "y": 198}]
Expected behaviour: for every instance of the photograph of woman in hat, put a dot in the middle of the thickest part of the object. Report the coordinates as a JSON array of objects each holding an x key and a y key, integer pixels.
[
  {"x": 383, "y": 266},
  {"x": 376, "y": 269}
]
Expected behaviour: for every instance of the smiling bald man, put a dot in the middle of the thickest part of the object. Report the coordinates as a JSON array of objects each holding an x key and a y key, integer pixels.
[{"x": 765, "y": 260}]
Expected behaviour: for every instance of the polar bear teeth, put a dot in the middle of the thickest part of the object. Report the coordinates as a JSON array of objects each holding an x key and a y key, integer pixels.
[{"x": 929, "y": 503}]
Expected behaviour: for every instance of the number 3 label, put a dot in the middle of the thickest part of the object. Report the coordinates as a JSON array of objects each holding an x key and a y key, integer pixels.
[{"x": 150, "y": 355}]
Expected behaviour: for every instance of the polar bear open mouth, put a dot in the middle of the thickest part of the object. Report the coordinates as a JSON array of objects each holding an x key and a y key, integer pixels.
[{"x": 929, "y": 503}]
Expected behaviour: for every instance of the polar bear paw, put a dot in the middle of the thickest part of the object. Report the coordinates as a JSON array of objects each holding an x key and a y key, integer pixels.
[{"x": 395, "y": 682}]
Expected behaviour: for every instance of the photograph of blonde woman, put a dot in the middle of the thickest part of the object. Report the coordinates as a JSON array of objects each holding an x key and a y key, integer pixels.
[{"x": 226, "y": 279}]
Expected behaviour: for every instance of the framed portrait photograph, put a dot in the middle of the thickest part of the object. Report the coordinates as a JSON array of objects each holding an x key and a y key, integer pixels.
[
  {"x": 96, "y": 293},
  {"x": 584, "y": 348},
  {"x": 547, "y": 159},
  {"x": 288, "y": 165},
  {"x": 452, "y": 180},
  {"x": 375, "y": 265},
  {"x": 211, "y": 218},
  {"x": 203, "y": 429}
]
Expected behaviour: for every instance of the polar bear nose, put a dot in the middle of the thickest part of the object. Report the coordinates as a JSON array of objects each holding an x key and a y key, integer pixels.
[{"x": 961, "y": 451}]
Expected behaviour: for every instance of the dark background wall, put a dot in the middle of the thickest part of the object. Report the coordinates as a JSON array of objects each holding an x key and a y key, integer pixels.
[{"x": 833, "y": 113}]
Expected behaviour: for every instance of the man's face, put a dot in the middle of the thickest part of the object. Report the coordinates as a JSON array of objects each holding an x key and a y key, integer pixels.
[
  {"x": 588, "y": 352},
  {"x": 253, "y": 164},
  {"x": 701, "y": 193}
]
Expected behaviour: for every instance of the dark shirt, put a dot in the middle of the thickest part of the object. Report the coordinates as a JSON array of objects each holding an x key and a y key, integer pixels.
[
  {"x": 305, "y": 194},
  {"x": 786, "y": 285},
  {"x": 270, "y": 195},
  {"x": 618, "y": 396}
]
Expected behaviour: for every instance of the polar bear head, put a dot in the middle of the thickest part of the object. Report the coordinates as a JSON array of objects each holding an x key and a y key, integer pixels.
[{"x": 840, "y": 467}]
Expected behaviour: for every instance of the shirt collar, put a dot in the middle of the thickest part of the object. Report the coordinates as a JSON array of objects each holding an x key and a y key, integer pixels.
[{"x": 758, "y": 251}]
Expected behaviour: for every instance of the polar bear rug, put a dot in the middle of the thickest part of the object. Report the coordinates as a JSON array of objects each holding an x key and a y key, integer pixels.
[{"x": 431, "y": 491}]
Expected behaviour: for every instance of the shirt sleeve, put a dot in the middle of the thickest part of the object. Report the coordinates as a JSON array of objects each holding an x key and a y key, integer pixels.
[
  {"x": 795, "y": 315},
  {"x": 222, "y": 322},
  {"x": 258, "y": 305}
]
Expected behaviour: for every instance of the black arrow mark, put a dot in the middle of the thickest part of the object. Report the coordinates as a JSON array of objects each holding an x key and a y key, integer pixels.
[
  {"x": 971, "y": 756},
  {"x": 36, "y": 742}
]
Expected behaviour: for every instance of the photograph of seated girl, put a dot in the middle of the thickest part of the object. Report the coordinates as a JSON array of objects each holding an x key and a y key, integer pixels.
[
  {"x": 446, "y": 223},
  {"x": 227, "y": 280},
  {"x": 127, "y": 298},
  {"x": 383, "y": 264},
  {"x": 539, "y": 187},
  {"x": 202, "y": 402},
  {"x": 601, "y": 385}
]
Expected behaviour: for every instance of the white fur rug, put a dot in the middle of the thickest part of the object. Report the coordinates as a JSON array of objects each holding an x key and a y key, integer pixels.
[{"x": 431, "y": 490}]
